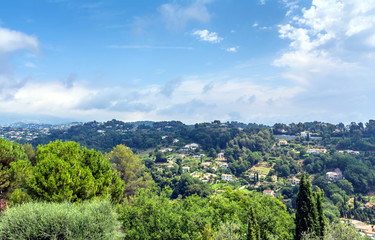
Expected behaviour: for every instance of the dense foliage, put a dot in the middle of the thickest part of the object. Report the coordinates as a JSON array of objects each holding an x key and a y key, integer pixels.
[
  {"x": 67, "y": 171},
  {"x": 130, "y": 169},
  {"x": 152, "y": 216},
  {"x": 42, "y": 220},
  {"x": 10, "y": 153}
]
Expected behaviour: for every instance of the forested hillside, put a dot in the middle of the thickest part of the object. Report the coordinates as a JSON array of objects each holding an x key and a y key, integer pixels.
[{"x": 168, "y": 180}]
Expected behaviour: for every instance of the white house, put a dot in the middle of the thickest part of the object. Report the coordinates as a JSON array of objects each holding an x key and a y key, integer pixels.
[
  {"x": 336, "y": 175},
  {"x": 305, "y": 134},
  {"x": 192, "y": 146},
  {"x": 332, "y": 175},
  {"x": 185, "y": 169},
  {"x": 316, "y": 150},
  {"x": 294, "y": 181},
  {"x": 164, "y": 150},
  {"x": 226, "y": 177},
  {"x": 269, "y": 192}
]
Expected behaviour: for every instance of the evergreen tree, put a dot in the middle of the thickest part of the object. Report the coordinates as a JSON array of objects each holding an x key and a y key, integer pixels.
[
  {"x": 321, "y": 224},
  {"x": 253, "y": 232},
  {"x": 306, "y": 210},
  {"x": 65, "y": 171}
]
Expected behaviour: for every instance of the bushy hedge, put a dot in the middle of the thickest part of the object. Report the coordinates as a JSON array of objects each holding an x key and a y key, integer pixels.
[{"x": 42, "y": 220}]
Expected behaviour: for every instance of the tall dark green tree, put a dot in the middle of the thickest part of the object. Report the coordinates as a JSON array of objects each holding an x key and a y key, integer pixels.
[
  {"x": 253, "y": 231},
  {"x": 306, "y": 210},
  {"x": 321, "y": 223}
]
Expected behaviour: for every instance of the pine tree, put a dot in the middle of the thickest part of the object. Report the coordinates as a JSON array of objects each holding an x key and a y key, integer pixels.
[{"x": 306, "y": 212}]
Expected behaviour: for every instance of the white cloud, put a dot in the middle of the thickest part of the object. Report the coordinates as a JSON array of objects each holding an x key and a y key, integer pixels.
[
  {"x": 30, "y": 65},
  {"x": 232, "y": 49},
  {"x": 176, "y": 16},
  {"x": 205, "y": 35},
  {"x": 11, "y": 41},
  {"x": 256, "y": 25},
  {"x": 330, "y": 36},
  {"x": 44, "y": 98},
  {"x": 194, "y": 99},
  {"x": 331, "y": 55}
]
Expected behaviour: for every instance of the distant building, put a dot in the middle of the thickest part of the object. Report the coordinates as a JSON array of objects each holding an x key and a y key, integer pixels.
[
  {"x": 293, "y": 181},
  {"x": 336, "y": 175},
  {"x": 185, "y": 169},
  {"x": 317, "y": 150},
  {"x": 206, "y": 164},
  {"x": 363, "y": 228},
  {"x": 332, "y": 175},
  {"x": 283, "y": 142},
  {"x": 226, "y": 177},
  {"x": 274, "y": 178},
  {"x": 223, "y": 165},
  {"x": 349, "y": 152},
  {"x": 207, "y": 177},
  {"x": 269, "y": 192},
  {"x": 369, "y": 205},
  {"x": 192, "y": 146},
  {"x": 305, "y": 134},
  {"x": 169, "y": 166},
  {"x": 164, "y": 150},
  {"x": 220, "y": 157}
]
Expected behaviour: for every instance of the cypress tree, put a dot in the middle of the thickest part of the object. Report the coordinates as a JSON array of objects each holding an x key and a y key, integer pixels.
[
  {"x": 253, "y": 231},
  {"x": 321, "y": 224},
  {"x": 306, "y": 211}
]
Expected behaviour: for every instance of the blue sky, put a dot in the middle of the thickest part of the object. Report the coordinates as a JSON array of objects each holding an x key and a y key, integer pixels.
[{"x": 263, "y": 61}]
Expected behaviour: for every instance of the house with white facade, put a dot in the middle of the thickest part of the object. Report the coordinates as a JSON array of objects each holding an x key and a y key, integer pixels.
[
  {"x": 293, "y": 181},
  {"x": 226, "y": 177},
  {"x": 269, "y": 192},
  {"x": 316, "y": 150},
  {"x": 335, "y": 175},
  {"x": 305, "y": 134},
  {"x": 191, "y": 146},
  {"x": 185, "y": 169}
]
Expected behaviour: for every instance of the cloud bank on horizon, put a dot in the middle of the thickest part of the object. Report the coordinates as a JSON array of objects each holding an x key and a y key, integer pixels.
[{"x": 194, "y": 62}]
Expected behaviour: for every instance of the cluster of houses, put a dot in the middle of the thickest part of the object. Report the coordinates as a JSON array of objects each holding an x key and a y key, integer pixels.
[
  {"x": 349, "y": 152},
  {"x": 363, "y": 228},
  {"x": 323, "y": 150},
  {"x": 220, "y": 163},
  {"x": 27, "y": 134}
]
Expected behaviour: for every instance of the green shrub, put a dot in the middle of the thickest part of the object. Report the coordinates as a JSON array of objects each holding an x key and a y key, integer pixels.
[{"x": 42, "y": 220}]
